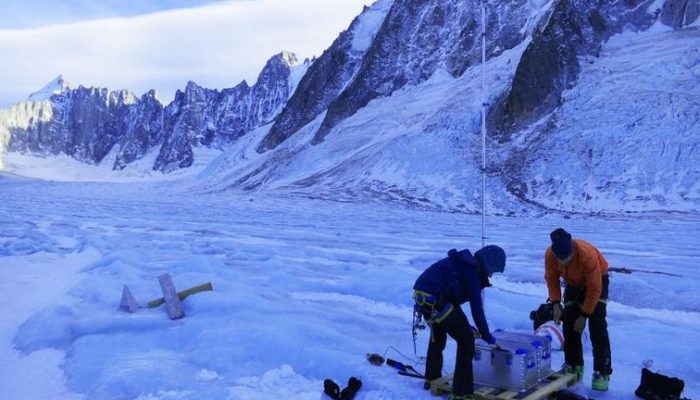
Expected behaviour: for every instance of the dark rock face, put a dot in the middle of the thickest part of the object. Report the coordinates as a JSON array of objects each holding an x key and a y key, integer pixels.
[
  {"x": 144, "y": 130},
  {"x": 85, "y": 124},
  {"x": 205, "y": 117},
  {"x": 188, "y": 121},
  {"x": 416, "y": 38},
  {"x": 322, "y": 83},
  {"x": 550, "y": 63},
  {"x": 680, "y": 13}
]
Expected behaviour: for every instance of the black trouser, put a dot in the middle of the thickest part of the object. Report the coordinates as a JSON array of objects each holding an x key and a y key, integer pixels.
[
  {"x": 597, "y": 326},
  {"x": 457, "y": 326}
]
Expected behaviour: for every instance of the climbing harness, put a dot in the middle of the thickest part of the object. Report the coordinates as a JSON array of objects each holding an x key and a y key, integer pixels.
[{"x": 427, "y": 308}]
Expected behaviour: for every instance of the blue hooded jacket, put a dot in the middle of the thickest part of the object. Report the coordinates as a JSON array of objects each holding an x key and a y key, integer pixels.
[{"x": 458, "y": 279}]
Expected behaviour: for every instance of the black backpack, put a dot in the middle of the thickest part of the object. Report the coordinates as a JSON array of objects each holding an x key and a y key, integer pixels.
[
  {"x": 544, "y": 313},
  {"x": 655, "y": 386}
]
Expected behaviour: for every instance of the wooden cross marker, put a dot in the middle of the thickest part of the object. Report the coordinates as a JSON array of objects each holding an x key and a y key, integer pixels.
[
  {"x": 171, "y": 298},
  {"x": 172, "y": 302}
]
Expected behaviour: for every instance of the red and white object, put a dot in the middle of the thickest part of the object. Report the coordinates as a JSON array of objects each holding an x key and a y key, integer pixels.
[{"x": 554, "y": 332}]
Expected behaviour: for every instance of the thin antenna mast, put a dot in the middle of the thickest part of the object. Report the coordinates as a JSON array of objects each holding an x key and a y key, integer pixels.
[{"x": 483, "y": 121}]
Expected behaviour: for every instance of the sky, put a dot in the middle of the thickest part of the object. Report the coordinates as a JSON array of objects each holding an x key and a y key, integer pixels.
[{"x": 160, "y": 45}]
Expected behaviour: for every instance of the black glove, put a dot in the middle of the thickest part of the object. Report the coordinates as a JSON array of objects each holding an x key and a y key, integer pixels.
[{"x": 580, "y": 323}]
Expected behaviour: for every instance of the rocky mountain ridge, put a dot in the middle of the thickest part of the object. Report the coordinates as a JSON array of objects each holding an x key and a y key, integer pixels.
[
  {"x": 391, "y": 110},
  {"x": 88, "y": 123}
]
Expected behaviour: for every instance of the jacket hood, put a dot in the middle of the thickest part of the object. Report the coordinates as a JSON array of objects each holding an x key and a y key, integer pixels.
[{"x": 491, "y": 259}]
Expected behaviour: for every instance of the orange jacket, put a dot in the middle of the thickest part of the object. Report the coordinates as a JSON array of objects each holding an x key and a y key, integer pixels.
[{"x": 585, "y": 270}]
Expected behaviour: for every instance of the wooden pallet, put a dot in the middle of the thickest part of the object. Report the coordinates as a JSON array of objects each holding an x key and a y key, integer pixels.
[{"x": 541, "y": 391}]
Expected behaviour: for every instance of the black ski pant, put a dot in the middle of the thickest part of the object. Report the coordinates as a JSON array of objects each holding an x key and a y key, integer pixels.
[
  {"x": 457, "y": 326},
  {"x": 597, "y": 327}
]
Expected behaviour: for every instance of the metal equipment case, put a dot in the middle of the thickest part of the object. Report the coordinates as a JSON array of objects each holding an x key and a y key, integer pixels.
[
  {"x": 541, "y": 345},
  {"x": 512, "y": 367}
]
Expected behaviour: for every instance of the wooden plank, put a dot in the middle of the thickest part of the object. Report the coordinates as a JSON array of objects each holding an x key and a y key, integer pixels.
[
  {"x": 485, "y": 392},
  {"x": 128, "y": 302},
  {"x": 561, "y": 381},
  {"x": 183, "y": 294},
  {"x": 172, "y": 302},
  {"x": 541, "y": 391},
  {"x": 507, "y": 395},
  {"x": 441, "y": 385}
]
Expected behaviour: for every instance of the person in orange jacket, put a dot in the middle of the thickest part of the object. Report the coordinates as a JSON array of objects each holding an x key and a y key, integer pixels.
[{"x": 585, "y": 272}]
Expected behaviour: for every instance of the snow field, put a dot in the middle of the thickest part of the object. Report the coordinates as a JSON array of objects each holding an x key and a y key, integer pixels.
[{"x": 303, "y": 289}]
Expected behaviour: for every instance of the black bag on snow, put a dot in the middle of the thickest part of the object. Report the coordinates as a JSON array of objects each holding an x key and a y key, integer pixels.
[
  {"x": 544, "y": 313},
  {"x": 655, "y": 386}
]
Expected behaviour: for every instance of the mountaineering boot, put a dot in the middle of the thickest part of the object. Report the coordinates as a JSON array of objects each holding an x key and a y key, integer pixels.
[
  {"x": 600, "y": 382},
  {"x": 575, "y": 370},
  {"x": 331, "y": 389},
  {"x": 349, "y": 392},
  {"x": 461, "y": 397}
]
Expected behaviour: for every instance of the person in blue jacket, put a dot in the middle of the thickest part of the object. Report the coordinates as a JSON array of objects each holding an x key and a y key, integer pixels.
[{"x": 439, "y": 293}]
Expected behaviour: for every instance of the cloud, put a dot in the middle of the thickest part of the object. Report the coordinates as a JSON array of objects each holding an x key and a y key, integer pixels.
[
  {"x": 216, "y": 46},
  {"x": 21, "y": 14}
]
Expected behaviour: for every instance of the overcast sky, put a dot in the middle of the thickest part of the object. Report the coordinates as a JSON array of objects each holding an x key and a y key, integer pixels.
[{"x": 140, "y": 45}]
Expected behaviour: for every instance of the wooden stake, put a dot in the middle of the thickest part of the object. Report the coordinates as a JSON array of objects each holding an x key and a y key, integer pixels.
[{"x": 172, "y": 302}]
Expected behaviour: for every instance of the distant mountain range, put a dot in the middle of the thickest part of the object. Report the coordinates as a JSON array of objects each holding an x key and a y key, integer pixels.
[
  {"x": 88, "y": 123},
  {"x": 592, "y": 106}
]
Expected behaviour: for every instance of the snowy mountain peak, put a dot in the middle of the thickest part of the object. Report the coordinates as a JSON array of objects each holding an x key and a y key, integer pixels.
[
  {"x": 57, "y": 86},
  {"x": 289, "y": 58},
  {"x": 191, "y": 86},
  {"x": 279, "y": 63}
]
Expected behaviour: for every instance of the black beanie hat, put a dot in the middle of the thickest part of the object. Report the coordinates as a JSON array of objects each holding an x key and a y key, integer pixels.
[{"x": 561, "y": 243}]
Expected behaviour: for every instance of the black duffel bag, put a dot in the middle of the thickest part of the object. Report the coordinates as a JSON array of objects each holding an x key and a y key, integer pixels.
[{"x": 655, "y": 386}]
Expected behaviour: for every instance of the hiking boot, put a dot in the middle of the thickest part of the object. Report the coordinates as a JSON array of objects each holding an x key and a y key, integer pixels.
[
  {"x": 600, "y": 382},
  {"x": 574, "y": 370},
  {"x": 461, "y": 397},
  {"x": 331, "y": 389}
]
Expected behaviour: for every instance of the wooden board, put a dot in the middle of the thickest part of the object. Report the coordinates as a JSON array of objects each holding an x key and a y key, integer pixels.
[
  {"x": 556, "y": 381},
  {"x": 172, "y": 302}
]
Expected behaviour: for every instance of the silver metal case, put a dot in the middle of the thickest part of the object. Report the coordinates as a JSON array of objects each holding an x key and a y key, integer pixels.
[
  {"x": 511, "y": 367},
  {"x": 541, "y": 345}
]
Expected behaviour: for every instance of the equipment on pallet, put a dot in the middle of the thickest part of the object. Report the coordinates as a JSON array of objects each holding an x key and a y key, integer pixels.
[
  {"x": 540, "y": 346},
  {"x": 542, "y": 390},
  {"x": 512, "y": 367},
  {"x": 520, "y": 369}
]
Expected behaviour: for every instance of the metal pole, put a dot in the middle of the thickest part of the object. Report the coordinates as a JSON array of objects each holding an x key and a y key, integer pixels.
[{"x": 483, "y": 122}]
